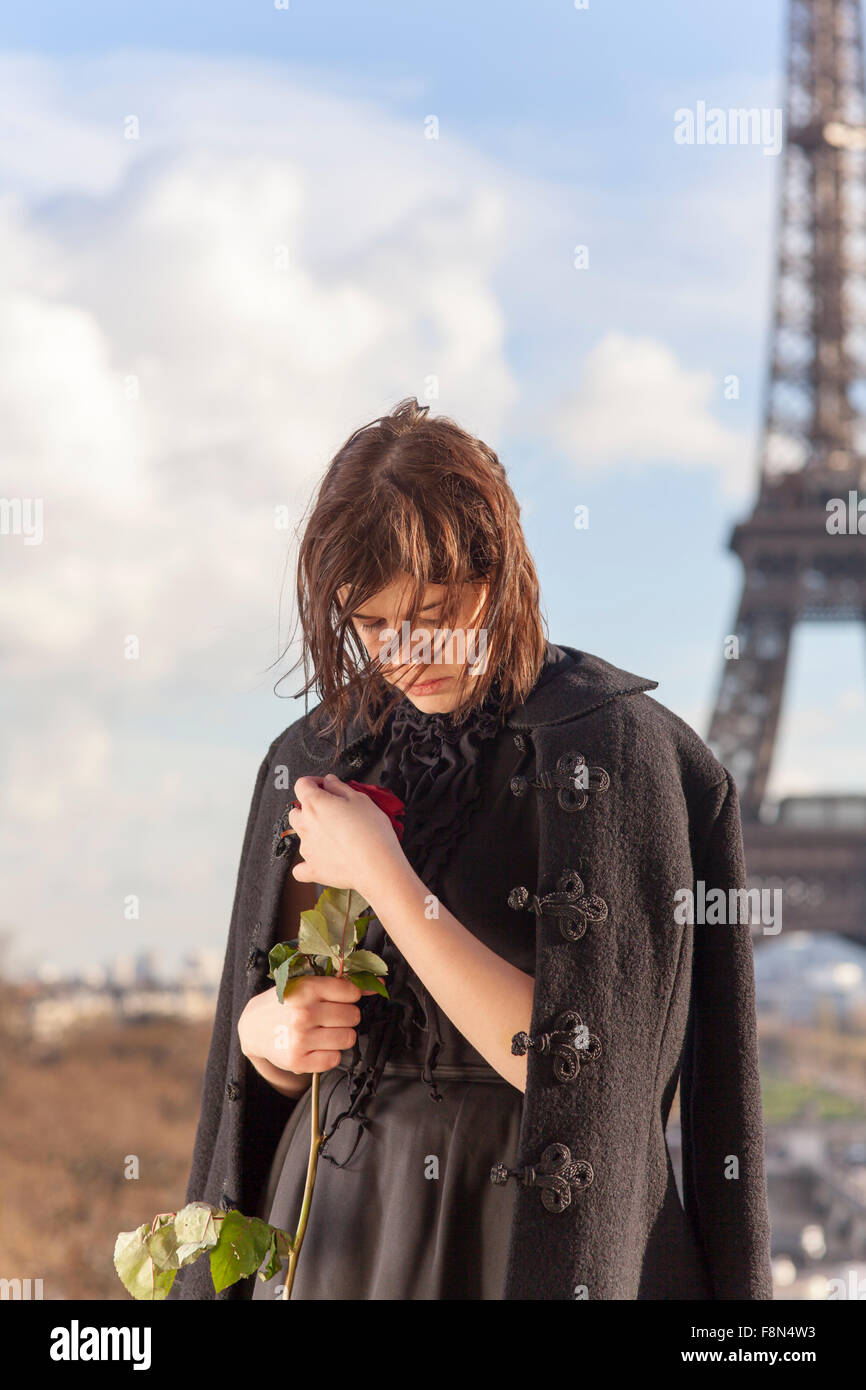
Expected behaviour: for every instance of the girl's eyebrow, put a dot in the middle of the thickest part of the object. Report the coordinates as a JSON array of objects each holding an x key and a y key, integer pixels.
[{"x": 435, "y": 604}]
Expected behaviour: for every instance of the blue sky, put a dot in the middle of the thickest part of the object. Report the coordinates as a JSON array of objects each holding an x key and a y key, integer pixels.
[{"x": 170, "y": 388}]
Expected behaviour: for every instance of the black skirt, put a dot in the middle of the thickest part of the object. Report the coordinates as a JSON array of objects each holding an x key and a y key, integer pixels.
[{"x": 412, "y": 1213}]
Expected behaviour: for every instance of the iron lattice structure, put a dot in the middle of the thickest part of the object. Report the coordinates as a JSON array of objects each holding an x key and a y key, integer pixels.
[{"x": 813, "y": 445}]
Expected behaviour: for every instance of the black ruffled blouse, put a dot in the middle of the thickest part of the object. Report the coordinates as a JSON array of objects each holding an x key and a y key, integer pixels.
[{"x": 471, "y": 841}]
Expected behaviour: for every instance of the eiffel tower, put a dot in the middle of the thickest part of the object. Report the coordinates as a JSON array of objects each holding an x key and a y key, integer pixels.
[{"x": 801, "y": 562}]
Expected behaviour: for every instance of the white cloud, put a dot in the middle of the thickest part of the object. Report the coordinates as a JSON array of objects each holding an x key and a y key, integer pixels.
[
  {"x": 268, "y": 268},
  {"x": 636, "y": 406},
  {"x": 203, "y": 325}
]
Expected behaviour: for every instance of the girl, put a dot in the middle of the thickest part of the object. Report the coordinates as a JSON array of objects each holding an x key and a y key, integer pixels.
[{"x": 495, "y": 1128}]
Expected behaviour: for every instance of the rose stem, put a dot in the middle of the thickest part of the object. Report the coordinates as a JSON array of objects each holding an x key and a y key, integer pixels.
[{"x": 315, "y": 1141}]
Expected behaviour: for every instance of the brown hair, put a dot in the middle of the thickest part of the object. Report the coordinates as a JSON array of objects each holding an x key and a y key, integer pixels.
[{"x": 414, "y": 493}]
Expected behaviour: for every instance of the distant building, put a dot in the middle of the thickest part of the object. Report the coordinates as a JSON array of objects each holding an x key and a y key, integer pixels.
[{"x": 845, "y": 812}]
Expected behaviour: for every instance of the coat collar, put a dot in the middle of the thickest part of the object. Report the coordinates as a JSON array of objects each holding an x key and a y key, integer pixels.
[{"x": 584, "y": 683}]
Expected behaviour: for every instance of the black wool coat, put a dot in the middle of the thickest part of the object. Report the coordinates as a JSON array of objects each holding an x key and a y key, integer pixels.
[{"x": 597, "y": 1214}]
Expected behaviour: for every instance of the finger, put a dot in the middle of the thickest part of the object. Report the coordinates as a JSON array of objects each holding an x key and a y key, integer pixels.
[
  {"x": 329, "y": 1014},
  {"x": 329, "y": 1039},
  {"x": 307, "y": 787},
  {"x": 336, "y": 787},
  {"x": 301, "y": 872},
  {"x": 320, "y": 1061},
  {"x": 335, "y": 987}
]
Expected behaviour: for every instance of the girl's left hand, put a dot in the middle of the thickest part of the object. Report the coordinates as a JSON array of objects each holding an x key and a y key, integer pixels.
[{"x": 345, "y": 840}]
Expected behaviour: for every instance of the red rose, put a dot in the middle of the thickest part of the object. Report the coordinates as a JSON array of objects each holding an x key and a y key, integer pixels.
[{"x": 380, "y": 796}]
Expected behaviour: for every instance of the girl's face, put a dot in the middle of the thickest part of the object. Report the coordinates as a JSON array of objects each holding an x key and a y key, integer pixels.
[{"x": 427, "y": 658}]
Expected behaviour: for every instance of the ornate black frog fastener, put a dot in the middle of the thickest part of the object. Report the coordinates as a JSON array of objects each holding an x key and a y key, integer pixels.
[
  {"x": 568, "y": 903},
  {"x": 566, "y": 1044},
  {"x": 572, "y": 781},
  {"x": 256, "y": 958},
  {"x": 557, "y": 1174},
  {"x": 285, "y": 838}
]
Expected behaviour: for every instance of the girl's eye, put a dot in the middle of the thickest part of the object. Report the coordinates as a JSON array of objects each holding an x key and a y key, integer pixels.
[{"x": 374, "y": 627}]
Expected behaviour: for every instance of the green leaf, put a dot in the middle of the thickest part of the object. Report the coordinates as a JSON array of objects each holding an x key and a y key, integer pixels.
[
  {"x": 197, "y": 1227},
  {"x": 338, "y": 905},
  {"x": 135, "y": 1266},
  {"x": 291, "y": 968},
  {"x": 243, "y": 1243},
  {"x": 277, "y": 954},
  {"x": 366, "y": 960},
  {"x": 364, "y": 980},
  {"x": 274, "y": 1262},
  {"x": 331, "y": 907},
  {"x": 281, "y": 977},
  {"x": 278, "y": 1251},
  {"x": 162, "y": 1244},
  {"x": 313, "y": 937},
  {"x": 361, "y": 926},
  {"x": 341, "y": 907}
]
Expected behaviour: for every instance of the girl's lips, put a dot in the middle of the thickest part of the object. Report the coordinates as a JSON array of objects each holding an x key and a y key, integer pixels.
[{"x": 422, "y": 688}]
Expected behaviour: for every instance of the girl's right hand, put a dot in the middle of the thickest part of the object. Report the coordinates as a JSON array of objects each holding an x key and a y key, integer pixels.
[{"x": 308, "y": 1032}]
